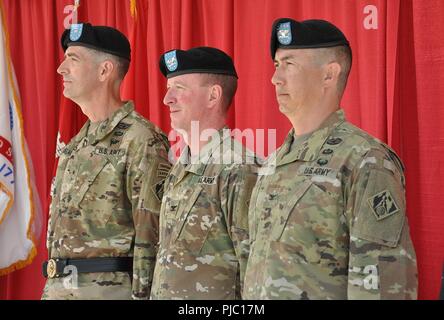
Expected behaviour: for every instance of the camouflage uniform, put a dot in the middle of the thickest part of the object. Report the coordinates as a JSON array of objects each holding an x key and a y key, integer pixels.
[
  {"x": 330, "y": 222},
  {"x": 203, "y": 245},
  {"x": 105, "y": 203}
]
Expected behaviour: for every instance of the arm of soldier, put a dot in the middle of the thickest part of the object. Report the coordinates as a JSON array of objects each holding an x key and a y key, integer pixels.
[
  {"x": 145, "y": 189},
  {"x": 239, "y": 187},
  {"x": 382, "y": 261}
]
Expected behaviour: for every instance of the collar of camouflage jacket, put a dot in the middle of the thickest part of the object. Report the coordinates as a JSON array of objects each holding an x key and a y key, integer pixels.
[
  {"x": 309, "y": 149},
  {"x": 106, "y": 127},
  {"x": 197, "y": 164}
]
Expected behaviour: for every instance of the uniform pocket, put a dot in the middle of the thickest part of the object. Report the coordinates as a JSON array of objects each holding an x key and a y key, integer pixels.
[
  {"x": 86, "y": 178},
  {"x": 192, "y": 228},
  {"x": 168, "y": 218},
  {"x": 293, "y": 273},
  {"x": 282, "y": 215}
]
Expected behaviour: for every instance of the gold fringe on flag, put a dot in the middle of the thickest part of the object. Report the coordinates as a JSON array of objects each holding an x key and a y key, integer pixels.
[
  {"x": 17, "y": 104},
  {"x": 133, "y": 8}
]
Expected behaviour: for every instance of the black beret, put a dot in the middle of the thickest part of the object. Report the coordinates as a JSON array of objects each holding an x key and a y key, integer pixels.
[
  {"x": 196, "y": 60},
  {"x": 100, "y": 38},
  {"x": 291, "y": 34}
]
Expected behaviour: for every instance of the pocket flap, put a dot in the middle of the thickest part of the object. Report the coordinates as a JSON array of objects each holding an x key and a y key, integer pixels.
[
  {"x": 86, "y": 178},
  {"x": 280, "y": 221},
  {"x": 182, "y": 214}
]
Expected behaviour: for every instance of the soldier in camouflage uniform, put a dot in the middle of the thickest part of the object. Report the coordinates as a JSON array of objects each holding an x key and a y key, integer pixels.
[
  {"x": 107, "y": 190},
  {"x": 327, "y": 219},
  {"x": 203, "y": 244}
]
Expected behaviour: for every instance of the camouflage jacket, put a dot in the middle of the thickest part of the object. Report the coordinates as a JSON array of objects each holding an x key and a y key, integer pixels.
[
  {"x": 204, "y": 224},
  {"x": 106, "y": 201},
  {"x": 330, "y": 222}
]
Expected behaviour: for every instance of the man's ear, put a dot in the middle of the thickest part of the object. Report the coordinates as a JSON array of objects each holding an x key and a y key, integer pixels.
[
  {"x": 331, "y": 74},
  {"x": 215, "y": 95},
  {"x": 105, "y": 70}
]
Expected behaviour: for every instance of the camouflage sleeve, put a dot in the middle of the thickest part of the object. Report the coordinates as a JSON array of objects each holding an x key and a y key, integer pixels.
[
  {"x": 240, "y": 186},
  {"x": 145, "y": 190},
  {"x": 382, "y": 260}
]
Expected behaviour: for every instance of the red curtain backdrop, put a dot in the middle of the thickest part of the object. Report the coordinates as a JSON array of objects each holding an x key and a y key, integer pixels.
[{"x": 395, "y": 89}]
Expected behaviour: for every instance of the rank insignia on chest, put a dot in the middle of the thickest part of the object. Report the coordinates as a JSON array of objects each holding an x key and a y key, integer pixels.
[
  {"x": 383, "y": 205},
  {"x": 207, "y": 180}
]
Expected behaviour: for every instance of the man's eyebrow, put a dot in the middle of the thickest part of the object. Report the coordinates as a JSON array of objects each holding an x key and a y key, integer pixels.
[
  {"x": 71, "y": 54},
  {"x": 176, "y": 83},
  {"x": 284, "y": 58}
]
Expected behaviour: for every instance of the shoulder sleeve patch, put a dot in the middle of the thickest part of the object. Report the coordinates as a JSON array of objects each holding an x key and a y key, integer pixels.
[
  {"x": 380, "y": 214},
  {"x": 383, "y": 205},
  {"x": 163, "y": 169},
  {"x": 157, "y": 189}
]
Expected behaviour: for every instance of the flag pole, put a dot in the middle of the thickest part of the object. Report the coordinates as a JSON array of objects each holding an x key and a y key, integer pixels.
[{"x": 76, "y": 4}]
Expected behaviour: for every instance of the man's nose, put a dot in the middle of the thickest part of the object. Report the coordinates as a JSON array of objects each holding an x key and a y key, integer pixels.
[
  {"x": 276, "y": 79},
  {"x": 62, "y": 69},
  {"x": 168, "y": 99}
]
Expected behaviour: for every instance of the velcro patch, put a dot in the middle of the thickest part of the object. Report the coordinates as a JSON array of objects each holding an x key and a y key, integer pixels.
[
  {"x": 123, "y": 126},
  {"x": 317, "y": 171},
  {"x": 109, "y": 151},
  {"x": 207, "y": 180},
  {"x": 163, "y": 170},
  {"x": 383, "y": 205}
]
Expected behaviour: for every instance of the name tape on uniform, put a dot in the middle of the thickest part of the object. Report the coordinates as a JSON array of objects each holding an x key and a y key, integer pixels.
[
  {"x": 317, "y": 171},
  {"x": 207, "y": 180}
]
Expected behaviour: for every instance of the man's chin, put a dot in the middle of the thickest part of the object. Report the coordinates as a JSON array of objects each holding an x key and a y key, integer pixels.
[
  {"x": 176, "y": 127},
  {"x": 283, "y": 108},
  {"x": 66, "y": 94}
]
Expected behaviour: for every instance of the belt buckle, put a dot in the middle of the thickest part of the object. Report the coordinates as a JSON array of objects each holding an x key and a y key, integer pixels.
[{"x": 51, "y": 268}]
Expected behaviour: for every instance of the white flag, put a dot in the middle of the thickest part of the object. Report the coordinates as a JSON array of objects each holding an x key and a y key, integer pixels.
[{"x": 18, "y": 208}]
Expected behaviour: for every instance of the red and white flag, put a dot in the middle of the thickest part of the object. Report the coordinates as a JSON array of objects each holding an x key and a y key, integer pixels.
[{"x": 18, "y": 206}]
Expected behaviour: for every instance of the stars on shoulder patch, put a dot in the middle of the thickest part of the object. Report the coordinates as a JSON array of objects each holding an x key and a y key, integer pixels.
[{"x": 383, "y": 205}]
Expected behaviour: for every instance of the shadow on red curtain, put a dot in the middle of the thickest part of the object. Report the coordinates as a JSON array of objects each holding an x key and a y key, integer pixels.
[{"x": 394, "y": 91}]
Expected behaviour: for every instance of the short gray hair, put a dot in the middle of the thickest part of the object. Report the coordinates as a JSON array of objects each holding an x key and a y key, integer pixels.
[
  {"x": 341, "y": 55},
  {"x": 121, "y": 64}
]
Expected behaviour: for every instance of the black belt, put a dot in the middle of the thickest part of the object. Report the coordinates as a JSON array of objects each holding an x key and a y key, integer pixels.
[{"x": 55, "y": 268}]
